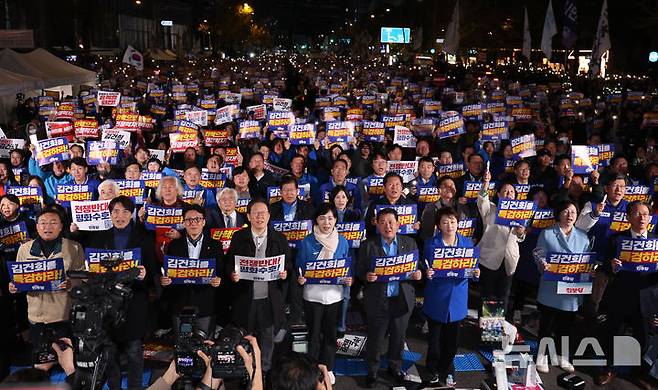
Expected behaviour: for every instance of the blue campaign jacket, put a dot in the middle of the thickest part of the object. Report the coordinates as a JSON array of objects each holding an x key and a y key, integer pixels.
[
  {"x": 446, "y": 299},
  {"x": 309, "y": 249}
]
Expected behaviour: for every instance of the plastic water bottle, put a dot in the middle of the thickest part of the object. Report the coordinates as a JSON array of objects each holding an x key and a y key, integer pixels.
[{"x": 450, "y": 381}]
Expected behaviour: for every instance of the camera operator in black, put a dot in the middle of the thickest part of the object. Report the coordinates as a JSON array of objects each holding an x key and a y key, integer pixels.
[
  {"x": 196, "y": 244},
  {"x": 125, "y": 235}
]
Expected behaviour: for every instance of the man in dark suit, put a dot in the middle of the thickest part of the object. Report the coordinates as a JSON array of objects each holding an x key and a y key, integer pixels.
[
  {"x": 258, "y": 306},
  {"x": 291, "y": 208},
  {"x": 392, "y": 196},
  {"x": 194, "y": 244},
  {"x": 124, "y": 235},
  {"x": 388, "y": 305},
  {"x": 620, "y": 305},
  {"x": 475, "y": 167},
  {"x": 259, "y": 179},
  {"x": 226, "y": 216}
]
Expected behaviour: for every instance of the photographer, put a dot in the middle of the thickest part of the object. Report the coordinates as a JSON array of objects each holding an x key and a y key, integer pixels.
[
  {"x": 125, "y": 235},
  {"x": 300, "y": 372},
  {"x": 65, "y": 359},
  {"x": 194, "y": 245},
  {"x": 49, "y": 309}
]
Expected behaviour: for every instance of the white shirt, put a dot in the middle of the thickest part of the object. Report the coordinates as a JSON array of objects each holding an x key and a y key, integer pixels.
[
  {"x": 233, "y": 217},
  {"x": 638, "y": 235},
  {"x": 194, "y": 251}
]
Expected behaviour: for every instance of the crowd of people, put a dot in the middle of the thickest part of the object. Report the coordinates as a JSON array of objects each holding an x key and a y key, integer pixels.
[{"x": 414, "y": 158}]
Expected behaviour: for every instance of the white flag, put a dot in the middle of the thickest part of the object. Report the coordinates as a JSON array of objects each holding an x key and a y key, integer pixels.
[
  {"x": 134, "y": 58},
  {"x": 550, "y": 30},
  {"x": 451, "y": 43},
  {"x": 527, "y": 43},
  {"x": 601, "y": 42}
]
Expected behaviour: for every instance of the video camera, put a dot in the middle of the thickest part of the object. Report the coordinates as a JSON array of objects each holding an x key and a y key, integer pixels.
[
  {"x": 42, "y": 351},
  {"x": 226, "y": 362},
  {"x": 98, "y": 306}
]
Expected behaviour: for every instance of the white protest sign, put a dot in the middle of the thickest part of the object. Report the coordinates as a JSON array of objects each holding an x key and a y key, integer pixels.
[
  {"x": 574, "y": 288},
  {"x": 158, "y": 153},
  {"x": 351, "y": 345},
  {"x": 224, "y": 114},
  {"x": 282, "y": 104},
  {"x": 404, "y": 137},
  {"x": 265, "y": 269},
  {"x": 406, "y": 169},
  {"x": 109, "y": 99},
  {"x": 91, "y": 215},
  {"x": 121, "y": 137},
  {"x": 9, "y": 144},
  {"x": 199, "y": 117}
]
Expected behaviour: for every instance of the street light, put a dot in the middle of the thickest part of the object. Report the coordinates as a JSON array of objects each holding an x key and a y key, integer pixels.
[
  {"x": 138, "y": 2},
  {"x": 246, "y": 9}
]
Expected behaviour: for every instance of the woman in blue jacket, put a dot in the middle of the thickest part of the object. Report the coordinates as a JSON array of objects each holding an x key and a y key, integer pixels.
[
  {"x": 322, "y": 302},
  {"x": 557, "y": 311},
  {"x": 446, "y": 300}
]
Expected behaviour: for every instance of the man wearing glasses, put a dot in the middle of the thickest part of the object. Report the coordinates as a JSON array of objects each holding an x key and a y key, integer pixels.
[
  {"x": 258, "y": 306},
  {"x": 194, "y": 245},
  {"x": 620, "y": 305},
  {"x": 50, "y": 309}
]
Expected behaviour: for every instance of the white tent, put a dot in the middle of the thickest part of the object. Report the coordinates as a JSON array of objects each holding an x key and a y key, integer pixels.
[
  {"x": 12, "y": 83},
  {"x": 50, "y": 70}
]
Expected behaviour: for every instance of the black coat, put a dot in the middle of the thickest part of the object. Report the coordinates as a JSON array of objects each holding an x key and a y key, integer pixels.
[
  {"x": 242, "y": 244},
  {"x": 136, "y": 322},
  {"x": 622, "y": 294},
  {"x": 200, "y": 296},
  {"x": 371, "y": 229},
  {"x": 303, "y": 212},
  {"x": 215, "y": 219},
  {"x": 258, "y": 188},
  {"x": 374, "y": 294}
]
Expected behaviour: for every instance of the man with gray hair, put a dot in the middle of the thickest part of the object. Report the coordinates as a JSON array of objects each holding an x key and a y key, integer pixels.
[{"x": 225, "y": 216}]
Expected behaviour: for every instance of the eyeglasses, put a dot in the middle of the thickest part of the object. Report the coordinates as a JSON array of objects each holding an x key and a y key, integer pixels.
[
  {"x": 569, "y": 212},
  {"x": 51, "y": 223},
  {"x": 641, "y": 215},
  {"x": 190, "y": 221},
  {"x": 117, "y": 211},
  {"x": 260, "y": 214}
]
